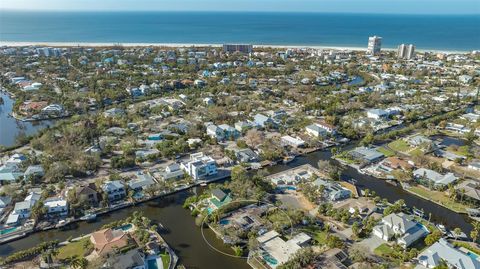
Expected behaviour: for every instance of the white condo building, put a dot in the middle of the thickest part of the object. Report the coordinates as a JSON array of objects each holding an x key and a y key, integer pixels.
[
  {"x": 406, "y": 51},
  {"x": 374, "y": 45},
  {"x": 200, "y": 166}
]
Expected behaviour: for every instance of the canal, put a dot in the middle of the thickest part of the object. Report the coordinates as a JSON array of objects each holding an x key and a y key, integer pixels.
[
  {"x": 392, "y": 193},
  {"x": 185, "y": 238},
  {"x": 10, "y": 128},
  {"x": 180, "y": 232}
]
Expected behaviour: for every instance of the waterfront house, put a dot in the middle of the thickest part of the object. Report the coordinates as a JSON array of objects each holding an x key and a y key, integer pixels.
[
  {"x": 132, "y": 259},
  {"x": 402, "y": 227},
  {"x": 419, "y": 141},
  {"x": 433, "y": 179},
  {"x": 22, "y": 210},
  {"x": 246, "y": 155},
  {"x": 293, "y": 176},
  {"x": 200, "y": 166},
  {"x": 141, "y": 182},
  {"x": 172, "y": 171},
  {"x": 219, "y": 198},
  {"x": 332, "y": 190},
  {"x": 442, "y": 251},
  {"x": 115, "y": 190},
  {"x": 53, "y": 109},
  {"x": 56, "y": 207},
  {"x": 457, "y": 128},
  {"x": 292, "y": 141},
  {"x": 470, "y": 189},
  {"x": 320, "y": 128},
  {"x": 366, "y": 155},
  {"x": 277, "y": 251},
  {"x": 397, "y": 163},
  {"x": 107, "y": 240},
  {"x": 315, "y": 130},
  {"x": 87, "y": 194}
]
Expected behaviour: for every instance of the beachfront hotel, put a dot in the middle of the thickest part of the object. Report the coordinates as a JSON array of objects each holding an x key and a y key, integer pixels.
[
  {"x": 244, "y": 48},
  {"x": 406, "y": 52},
  {"x": 374, "y": 45}
]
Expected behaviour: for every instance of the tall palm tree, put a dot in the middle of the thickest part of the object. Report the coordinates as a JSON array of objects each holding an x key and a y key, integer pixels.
[{"x": 78, "y": 262}]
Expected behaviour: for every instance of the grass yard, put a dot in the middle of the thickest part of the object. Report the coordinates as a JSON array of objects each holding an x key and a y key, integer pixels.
[
  {"x": 344, "y": 156},
  {"x": 462, "y": 150},
  {"x": 165, "y": 259},
  {"x": 317, "y": 234},
  {"x": 468, "y": 246},
  {"x": 383, "y": 250},
  {"x": 75, "y": 248},
  {"x": 386, "y": 152},
  {"x": 400, "y": 145},
  {"x": 438, "y": 197}
]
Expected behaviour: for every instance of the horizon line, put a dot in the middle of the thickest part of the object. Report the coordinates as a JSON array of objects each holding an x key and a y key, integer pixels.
[{"x": 234, "y": 11}]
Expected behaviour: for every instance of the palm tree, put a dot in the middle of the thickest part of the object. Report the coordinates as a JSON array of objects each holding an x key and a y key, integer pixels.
[
  {"x": 457, "y": 232},
  {"x": 48, "y": 255},
  {"x": 78, "y": 262}
]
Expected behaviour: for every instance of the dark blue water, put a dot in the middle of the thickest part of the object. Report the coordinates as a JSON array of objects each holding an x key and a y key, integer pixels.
[
  {"x": 443, "y": 32},
  {"x": 10, "y": 128}
]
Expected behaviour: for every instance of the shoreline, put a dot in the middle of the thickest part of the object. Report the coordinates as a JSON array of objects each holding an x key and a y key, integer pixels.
[{"x": 214, "y": 45}]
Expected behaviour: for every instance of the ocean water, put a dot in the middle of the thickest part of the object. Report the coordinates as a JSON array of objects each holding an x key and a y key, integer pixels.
[{"x": 441, "y": 32}]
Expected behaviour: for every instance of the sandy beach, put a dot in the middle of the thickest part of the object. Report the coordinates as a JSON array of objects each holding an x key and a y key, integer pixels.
[{"x": 186, "y": 45}]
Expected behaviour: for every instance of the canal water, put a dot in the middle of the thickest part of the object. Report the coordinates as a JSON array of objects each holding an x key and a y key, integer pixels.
[
  {"x": 386, "y": 190},
  {"x": 185, "y": 238},
  {"x": 10, "y": 128},
  {"x": 180, "y": 232}
]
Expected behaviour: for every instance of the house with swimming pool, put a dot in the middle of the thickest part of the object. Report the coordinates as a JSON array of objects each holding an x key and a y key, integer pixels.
[
  {"x": 218, "y": 199},
  {"x": 401, "y": 227},
  {"x": 292, "y": 177},
  {"x": 442, "y": 251},
  {"x": 275, "y": 251}
]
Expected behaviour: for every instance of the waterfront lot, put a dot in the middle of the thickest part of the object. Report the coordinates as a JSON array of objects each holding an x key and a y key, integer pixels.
[
  {"x": 438, "y": 197},
  {"x": 80, "y": 248}
]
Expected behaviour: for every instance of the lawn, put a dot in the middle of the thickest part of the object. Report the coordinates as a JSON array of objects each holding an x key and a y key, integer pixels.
[
  {"x": 383, "y": 250},
  {"x": 344, "y": 156},
  {"x": 399, "y": 145},
  {"x": 317, "y": 234},
  {"x": 439, "y": 197},
  {"x": 386, "y": 152},
  {"x": 468, "y": 246},
  {"x": 462, "y": 150},
  {"x": 165, "y": 259},
  {"x": 75, "y": 248}
]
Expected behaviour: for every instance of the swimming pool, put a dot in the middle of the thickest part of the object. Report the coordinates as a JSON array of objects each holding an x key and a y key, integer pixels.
[
  {"x": 152, "y": 264},
  {"x": 473, "y": 255},
  {"x": 224, "y": 222},
  {"x": 8, "y": 230},
  {"x": 125, "y": 227},
  {"x": 286, "y": 187}
]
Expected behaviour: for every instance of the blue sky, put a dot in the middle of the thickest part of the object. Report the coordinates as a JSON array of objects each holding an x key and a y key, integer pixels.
[{"x": 351, "y": 6}]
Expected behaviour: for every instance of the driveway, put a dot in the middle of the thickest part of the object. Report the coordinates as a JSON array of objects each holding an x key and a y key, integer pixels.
[{"x": 371, "y": 243}]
